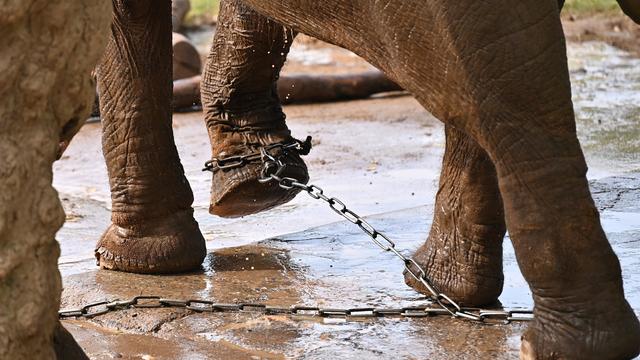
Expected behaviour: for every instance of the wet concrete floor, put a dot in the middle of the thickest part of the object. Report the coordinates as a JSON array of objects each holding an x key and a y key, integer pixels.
[{"x": 382, "y": 157}]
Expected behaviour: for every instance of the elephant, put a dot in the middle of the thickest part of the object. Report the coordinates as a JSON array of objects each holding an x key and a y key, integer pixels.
[
  {"x": 493, "y": 72},
  {"x": 496, "y": 75},
  {"x": 292, "y": 89}
]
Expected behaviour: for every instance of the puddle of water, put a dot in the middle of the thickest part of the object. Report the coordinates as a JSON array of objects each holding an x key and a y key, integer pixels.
[
  {"x": 334, "y": 265},
  {"x": 352, "y": 269},
  {"x": 620, "y": 222}
]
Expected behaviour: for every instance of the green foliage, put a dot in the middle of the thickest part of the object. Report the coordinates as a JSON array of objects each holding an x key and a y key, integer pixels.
[
  {"x": 202, "y": 11},
  {"x": 590, "y": 6}
]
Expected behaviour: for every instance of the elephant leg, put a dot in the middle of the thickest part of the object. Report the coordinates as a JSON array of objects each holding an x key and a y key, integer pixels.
[
  {"x": 463, "y": 254},
  {"x": 498, "y": 72},
  {"x": 153, "y": 229},
  {"x": 242, "y": 108},
  {"x": 45, "y": 90},
  {"x": 517, "y": 106}
]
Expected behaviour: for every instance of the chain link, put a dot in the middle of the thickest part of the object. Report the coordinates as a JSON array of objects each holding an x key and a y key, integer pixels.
[
  {"x": 205, "y": 306},
  {"x": 236, "y": 161},
  {"x": 272, "y": 170}
]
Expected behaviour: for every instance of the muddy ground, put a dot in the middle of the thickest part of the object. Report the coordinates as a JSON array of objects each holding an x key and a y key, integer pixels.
[{"x": 382, "y": 157}]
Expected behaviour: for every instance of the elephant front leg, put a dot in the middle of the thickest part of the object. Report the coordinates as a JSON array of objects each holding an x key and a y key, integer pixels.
[
  {"x": 242, "y": 108},
  {"x": 153, "y": 229},
  {"x": 463, "y": 254}
]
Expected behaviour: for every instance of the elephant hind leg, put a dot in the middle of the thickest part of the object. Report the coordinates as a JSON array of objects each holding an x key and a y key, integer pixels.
[
  {"x": 463, "y": 254},
  {"x": 153, "y": 229},
  {"x": 522, "y": 116},
  {"x": 515, "y": 102}
]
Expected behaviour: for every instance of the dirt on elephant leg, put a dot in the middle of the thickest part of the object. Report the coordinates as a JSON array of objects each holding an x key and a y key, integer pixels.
[
  {"x": 43, "y": 87},
  {"x": 242, "y": 109},
  {"x": 153, "y": 229},
  {"x": 463, "y": 254}
]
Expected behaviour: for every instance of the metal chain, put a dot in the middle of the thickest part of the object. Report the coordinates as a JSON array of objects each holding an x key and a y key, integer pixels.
[
  {"x": 272, "y": 170},
  {"x": 197, "y": 305},
  {"x": 236, "y": 161}
]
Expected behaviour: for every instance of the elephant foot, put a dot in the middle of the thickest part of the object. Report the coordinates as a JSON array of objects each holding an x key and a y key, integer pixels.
[
  {"x": 468, "y": 271},
  {"x": 463, "y": 254},
  {"x": 160, "y": 246},
  {"x": 236, "y": 191},
  {"x": 65, "y": 346},
  {"x": 598, "y": 327}
]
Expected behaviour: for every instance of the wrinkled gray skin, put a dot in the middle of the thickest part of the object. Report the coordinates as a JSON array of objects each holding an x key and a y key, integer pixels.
[
  {"x": 499, "y": 82},
  {"x": 495, "y": 73},
  {"x": 153, "y": 229}
]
